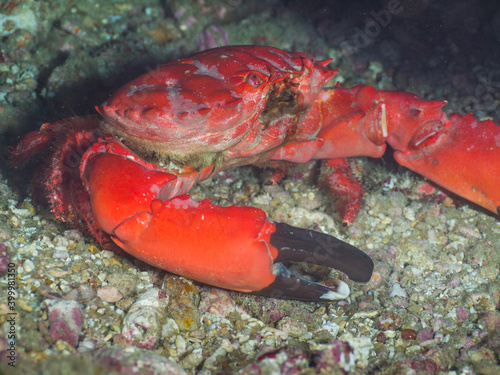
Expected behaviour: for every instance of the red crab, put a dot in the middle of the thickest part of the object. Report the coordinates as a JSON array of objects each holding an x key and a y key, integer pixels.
[{"x": 125, "y": 175}]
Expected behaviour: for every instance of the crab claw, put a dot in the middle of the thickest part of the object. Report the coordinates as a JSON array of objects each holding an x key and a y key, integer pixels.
[
  {"x": 233, "y": 247},
  {"x": 451, "y": 153},
  {"x": 302, "y": 245}
]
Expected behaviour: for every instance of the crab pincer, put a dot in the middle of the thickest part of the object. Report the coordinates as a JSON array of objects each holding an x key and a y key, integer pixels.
[
  {"x": 233, "y": 247},
  {"x": 302, "y": 245}
]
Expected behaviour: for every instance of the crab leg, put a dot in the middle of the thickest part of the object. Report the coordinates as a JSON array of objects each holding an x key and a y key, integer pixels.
[
  {"x": 447, "y": 150},
  {"x": 139, "y": 206}
]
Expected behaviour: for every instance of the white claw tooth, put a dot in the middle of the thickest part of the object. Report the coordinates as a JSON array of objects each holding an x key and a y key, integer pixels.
[{"x": 341, "y": 292}]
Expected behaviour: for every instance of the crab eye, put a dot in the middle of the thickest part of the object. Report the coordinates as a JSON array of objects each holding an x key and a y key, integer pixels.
[{"x": 254, "y": 79}]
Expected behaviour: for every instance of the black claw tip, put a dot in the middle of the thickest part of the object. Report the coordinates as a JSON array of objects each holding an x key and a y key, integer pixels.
[
  {"x": 302, "y": 245},
  {"x": 290, "y": 286}
]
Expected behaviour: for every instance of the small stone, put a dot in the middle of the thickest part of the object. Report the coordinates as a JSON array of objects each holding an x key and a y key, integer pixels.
[
  {"x": 124, "y": 304},
  {"x": 180, "y": 343},
  {"x": 5, "y": 234},
  {"x": 292, "y": 326},
  {"x": 170, "y": 328},
  {"x": 4, "y": 259},
  {"x": 25, "y": 305},
  {"x": 337, "y": 352},
  {"x": 82, "y": 293},
  {"x": 425, "y": 334},
  {"x": 60, "y": 254},
  {"x": 57, "y": 272},
  {"x": 80, "y": 266},
  {"x": 62, "y": 345},
  {"x": 216, "y": 301},
  {"x": 388, "y": 321},
  {"x": 142, "y": 324},
  {"x": 409, "y": 334},
  {"x": 211, "y": 363},
  {"x": 462, "y": 313},
  {"x": 110, "y": 262},
  {"x": 184, "y": 299},
  {"x": 273, "y": 333},
  {"x": 492, "y": 321},
  {"x": 193, "y": 359},
  {"x": 65, "y": 318},
  {"x": 398, "y": 291},
  {"x": 109, "y": 294},
  {"x": 323, "y": 336},
  {"x": 29, "y": 265},
  {"x": 107, "y": 254},
  {"x": 381, "y": 337}
]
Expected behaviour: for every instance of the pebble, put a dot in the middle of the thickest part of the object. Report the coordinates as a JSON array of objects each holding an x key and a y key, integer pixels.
[
  {"x": 193, "y": 359},
  {"x": 398, "y": 291},
  {"x": 24, "y": 305},
  {"x": 425, "y": 334},
  {"x": 210, "y": 363},
  {"x": 57, "y": 272},
  {"x": 339, "y": 351},
  {"x": 82, "y": 293},
  {"x": 142, "y": 323},
  {"x": 381, "y": 338},
  {"x": 62, "y": 345},
  {"x": 5, "y": 234},
  {"x": 60, "y": 254},
  {"x": 409, "y": 334},
  {"x": 180, "y": 343},
  {"x": 216, "y": 301},
  {"x": 65, "y": 320},
  {"x": 273, "y": 334},
  {"x": 29, "y": 265},
  {"x": 293, "y": 327},
  {"x": 170, "y": 328},
  {"x": 107, "y": 254},
  {"x": 184, "y": 299},
  {"x": 109, "y": 294},
  {"x": 4, "y": 259}
]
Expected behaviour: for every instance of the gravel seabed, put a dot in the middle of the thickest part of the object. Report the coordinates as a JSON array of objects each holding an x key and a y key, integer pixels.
[{"x": 432, "y": 305}]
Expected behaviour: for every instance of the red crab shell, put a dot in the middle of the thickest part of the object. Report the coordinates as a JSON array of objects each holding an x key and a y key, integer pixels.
[{"x": 218, "y": 102}]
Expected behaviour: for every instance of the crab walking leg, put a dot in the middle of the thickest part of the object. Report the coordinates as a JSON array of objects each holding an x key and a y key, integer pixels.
[
  {"x": 458, "y": 152},
  {"x": 230, "y": 247}
]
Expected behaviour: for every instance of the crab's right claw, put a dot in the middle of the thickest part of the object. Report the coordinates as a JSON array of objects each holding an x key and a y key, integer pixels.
[
  {"x": 233, "y": 247},
  {"x": 302, "y": 245}
]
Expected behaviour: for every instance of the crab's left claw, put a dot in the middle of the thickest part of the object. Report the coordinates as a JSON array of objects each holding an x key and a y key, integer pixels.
[
  {"x": 302, "y": 245},
  {"x": 461, "y": 154},
  {"x": 457, "y": 152}
]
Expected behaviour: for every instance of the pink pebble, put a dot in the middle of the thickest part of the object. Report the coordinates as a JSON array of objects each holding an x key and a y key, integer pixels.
[
  {"x": 65, "y": 319},
  {"x": 454, "y": 282},
  {"x": 109, "y": 294},
  {"x": 4, "y": 260},
  {"x": 217, "y": 302},
  {"x": 425, "y": 334},
  {"x": 368, "y": 305},
  {"x": 462, "y": 313}
]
